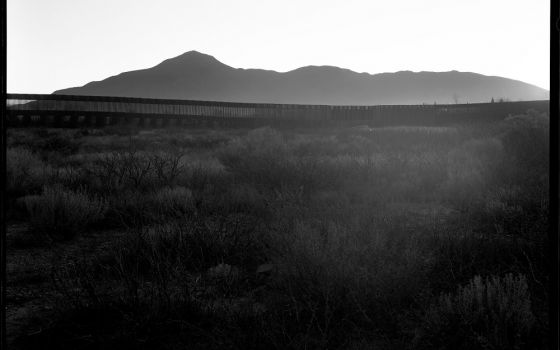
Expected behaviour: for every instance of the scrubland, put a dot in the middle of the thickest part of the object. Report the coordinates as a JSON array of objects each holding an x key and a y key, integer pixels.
[{"x": 331, "y": 238}]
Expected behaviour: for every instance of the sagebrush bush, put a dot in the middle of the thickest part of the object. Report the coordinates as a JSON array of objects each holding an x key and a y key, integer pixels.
[
  {"x": 61, "y": 213},
  {"x": 494, "y": 312}
]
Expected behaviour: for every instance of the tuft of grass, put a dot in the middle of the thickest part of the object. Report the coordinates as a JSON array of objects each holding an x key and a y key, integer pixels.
[{"x": 61, "y": 214}]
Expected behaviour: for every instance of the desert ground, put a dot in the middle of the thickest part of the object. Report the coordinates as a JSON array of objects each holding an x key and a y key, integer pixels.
[{"x": 327, "y": 238}]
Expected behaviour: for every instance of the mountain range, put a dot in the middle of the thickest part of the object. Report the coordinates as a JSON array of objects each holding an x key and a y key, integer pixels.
[{"x": 197, "y": 76}]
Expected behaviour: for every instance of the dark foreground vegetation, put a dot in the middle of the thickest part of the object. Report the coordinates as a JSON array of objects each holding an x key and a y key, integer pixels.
[{"x": 352, "y": 238}]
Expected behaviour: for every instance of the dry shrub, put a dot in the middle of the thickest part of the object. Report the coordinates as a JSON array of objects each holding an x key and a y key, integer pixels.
[
  {"x": 503, "y": 212},
  {"x": 502, "y": 183},
  {"x": 201, "y": 173},
  {"x": 461, "y": 253},
  {"x": 494, "y": 313},
  {"x": 401, "y": 138},
  {"x": 172, "y": 201},
  {"x": 133, "y": 169},
  {"x": 526, "y": 144},
  {"x": 61, "y": 213},
  {"x": 526, "y": 140},
  {"x": 469, "y": 171},
  {"x": 26, "y": 173},
  {"x": 133, "y": 209},
  {"x": 329, "y": 212},
  {"x": 192, "y": 245},
  {"x": 46, "y": 141},
  {"x": 238, "y": 198},
  {"x": 331, "y": 273},
  {"x": 265, "y": 158},
  {"x": 259, "y": 157}
]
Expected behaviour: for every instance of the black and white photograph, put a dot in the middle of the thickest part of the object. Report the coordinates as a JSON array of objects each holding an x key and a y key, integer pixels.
[{"x": 314, "y": 175}]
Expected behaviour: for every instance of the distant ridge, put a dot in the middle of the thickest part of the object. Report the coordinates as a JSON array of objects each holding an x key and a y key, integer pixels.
[{"x": 197, "y": 76}]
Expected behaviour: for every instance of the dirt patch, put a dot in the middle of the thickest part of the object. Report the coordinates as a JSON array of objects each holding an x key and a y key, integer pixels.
[{"x": 30, "y": 294}]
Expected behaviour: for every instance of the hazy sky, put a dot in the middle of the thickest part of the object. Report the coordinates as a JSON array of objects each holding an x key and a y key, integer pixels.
[{"x": 55, "y": 44}]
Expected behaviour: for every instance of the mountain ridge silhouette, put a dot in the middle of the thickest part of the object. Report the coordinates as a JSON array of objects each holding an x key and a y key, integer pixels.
[{"x": 198, "y": 76}]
